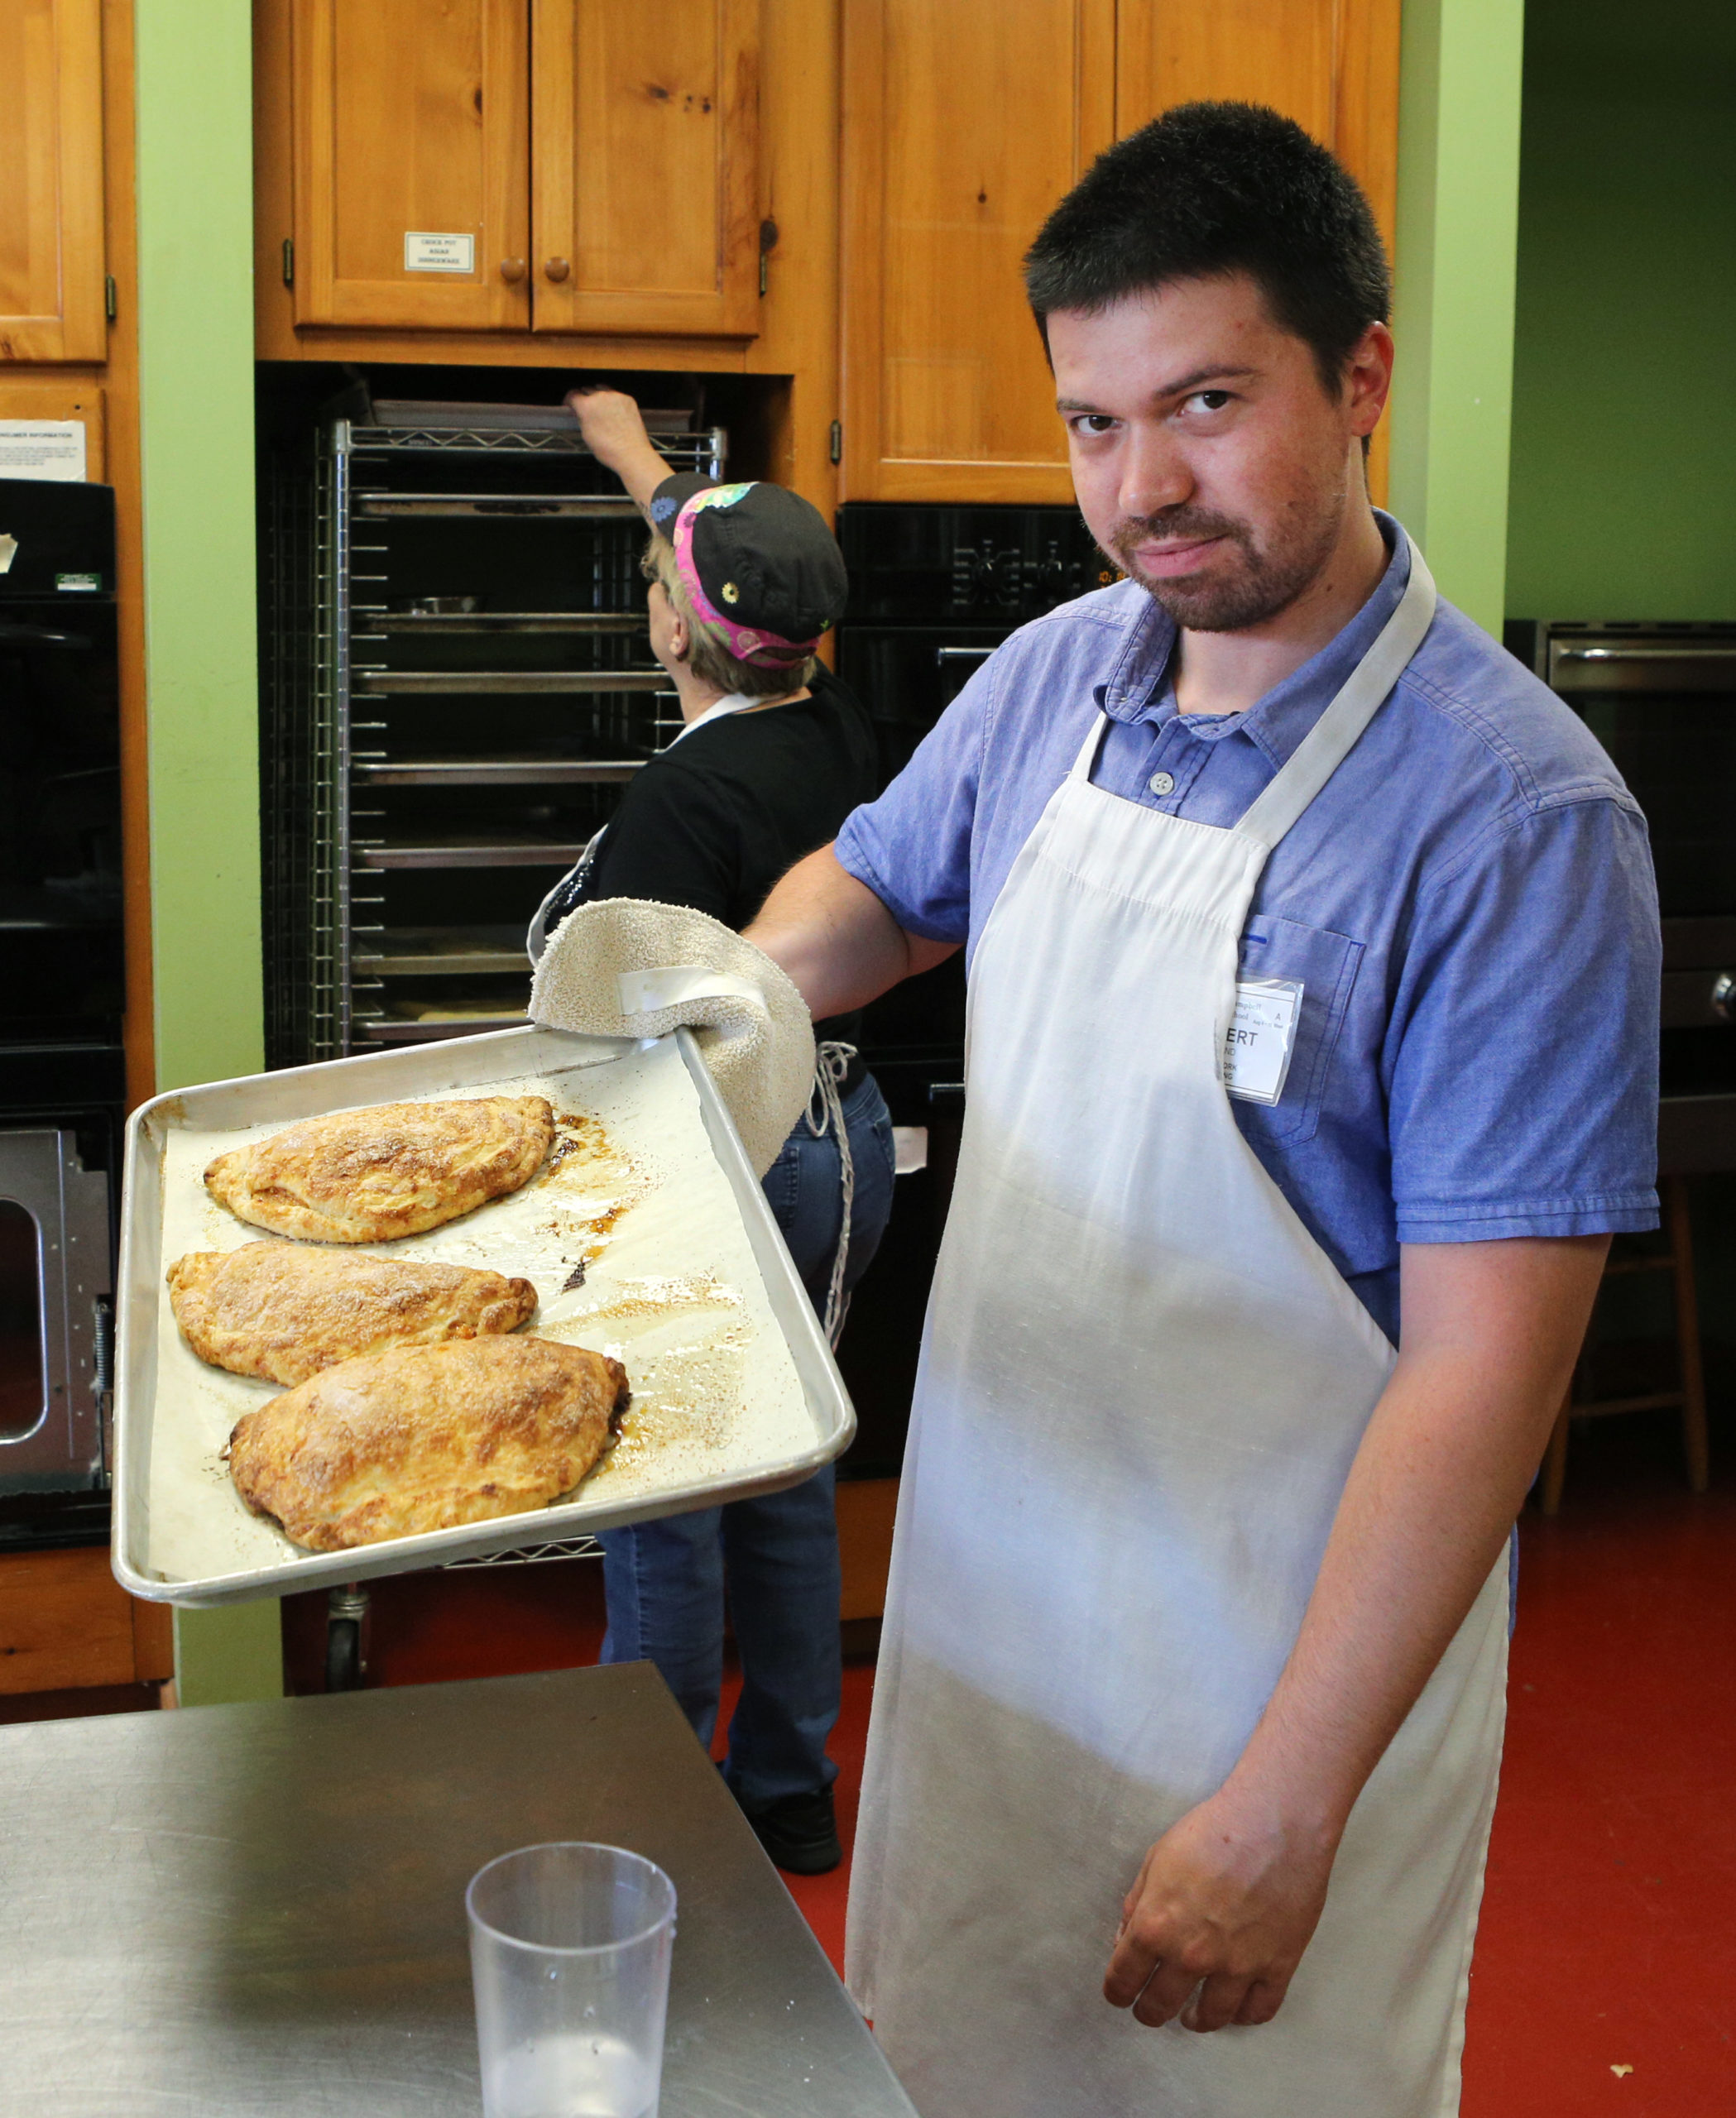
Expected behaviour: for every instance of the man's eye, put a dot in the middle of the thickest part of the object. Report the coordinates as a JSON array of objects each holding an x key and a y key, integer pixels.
[
  {"x": 1211, "y": 401},
  {"x": 1092, "y": 423}
]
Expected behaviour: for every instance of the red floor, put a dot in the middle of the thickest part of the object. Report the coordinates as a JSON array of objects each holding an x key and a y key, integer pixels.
[
  {"x": 1608, "y": 1940},
  {"x": 1605, "y": 1971}
]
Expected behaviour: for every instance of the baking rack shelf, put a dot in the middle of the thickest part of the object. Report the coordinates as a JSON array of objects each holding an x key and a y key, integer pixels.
[
  {"x": 497, "y": 772},
  {"x": 529, "y": 683},
  {"x": 416, "y": 815}
]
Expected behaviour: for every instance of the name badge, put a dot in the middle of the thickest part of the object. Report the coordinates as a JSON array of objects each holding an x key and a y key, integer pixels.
[{"x": 1261, "y": 1037}]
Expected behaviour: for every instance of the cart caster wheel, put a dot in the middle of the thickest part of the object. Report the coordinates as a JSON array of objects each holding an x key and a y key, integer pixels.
[{"x": 343, "y": 1655}]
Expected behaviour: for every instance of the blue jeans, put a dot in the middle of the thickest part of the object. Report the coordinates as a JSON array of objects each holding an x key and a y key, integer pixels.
[{"x": 775, "y": 1557}]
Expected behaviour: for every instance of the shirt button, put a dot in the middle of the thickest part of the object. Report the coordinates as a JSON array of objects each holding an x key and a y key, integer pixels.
[{"x": 1162, "y": 783}]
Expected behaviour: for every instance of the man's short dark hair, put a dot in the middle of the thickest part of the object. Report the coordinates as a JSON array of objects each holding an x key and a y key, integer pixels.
[{"x": 1211, "y": 188}]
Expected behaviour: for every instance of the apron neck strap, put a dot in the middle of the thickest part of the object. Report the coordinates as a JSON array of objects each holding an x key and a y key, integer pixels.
[
  {"x": 1329, "y": 742},
  {"x": 1086, "y": 763}
]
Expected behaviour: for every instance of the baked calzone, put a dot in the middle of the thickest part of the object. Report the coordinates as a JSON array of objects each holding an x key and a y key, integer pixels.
[
  {"x": 425, "y": 1437},
  {"x": 285, "y": 1310},
  {"x": 394, "y": 1169}
]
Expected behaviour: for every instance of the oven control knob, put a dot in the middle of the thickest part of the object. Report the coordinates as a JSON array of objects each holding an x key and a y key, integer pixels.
[{"x": 1724, "y": 996}]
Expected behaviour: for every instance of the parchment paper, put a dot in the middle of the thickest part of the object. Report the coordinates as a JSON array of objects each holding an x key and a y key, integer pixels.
[{"x": 634, "y": 1195}]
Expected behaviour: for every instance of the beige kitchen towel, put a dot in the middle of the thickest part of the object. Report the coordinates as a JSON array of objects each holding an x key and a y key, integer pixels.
[{"x": 625, "y": 967}]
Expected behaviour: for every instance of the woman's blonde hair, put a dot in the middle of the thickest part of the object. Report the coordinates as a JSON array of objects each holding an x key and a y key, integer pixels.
[{"x": 708, "y": 655}]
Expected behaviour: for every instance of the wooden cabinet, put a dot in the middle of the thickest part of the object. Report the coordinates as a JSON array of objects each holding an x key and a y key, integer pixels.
[
  {"x": 65, "y": 1626},
  {"x": 53, "y": 275},
  {"x": 411, "y": 163},
  {"x": 644, "y": 172},
  {"x": 963, "y": 126},
  {"x": 568, "y": 165}
]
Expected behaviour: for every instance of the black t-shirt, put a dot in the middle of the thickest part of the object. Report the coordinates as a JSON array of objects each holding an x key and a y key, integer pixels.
[{"x": 716, "y": 821}]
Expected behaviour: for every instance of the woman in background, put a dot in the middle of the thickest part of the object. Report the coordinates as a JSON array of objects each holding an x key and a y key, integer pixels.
[{"x": 774, "y": 753}]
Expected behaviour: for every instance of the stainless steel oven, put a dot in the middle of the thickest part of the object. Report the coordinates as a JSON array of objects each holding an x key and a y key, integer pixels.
[
  {"x": 1661, "y": 700},
  {"x": 55, "y": 1313},
  {"x": 62, "y": 989}
]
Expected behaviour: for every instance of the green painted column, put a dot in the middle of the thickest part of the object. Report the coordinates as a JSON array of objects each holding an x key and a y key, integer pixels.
[
  {"x": 1462, "y": 63},
  {"x": 194, "y": 86}
]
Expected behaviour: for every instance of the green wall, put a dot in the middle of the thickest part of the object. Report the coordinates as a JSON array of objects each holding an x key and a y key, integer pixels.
[
  {"x": 1453, "y": 314},
  {"x": 1623, "y": 493},
  {"x": 194, "y": 88}
]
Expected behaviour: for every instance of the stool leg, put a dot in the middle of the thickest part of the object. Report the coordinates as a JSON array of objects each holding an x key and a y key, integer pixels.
[
  {"x": 1555, "y": 1457},
  {"x": 1687, "y": 1331}
]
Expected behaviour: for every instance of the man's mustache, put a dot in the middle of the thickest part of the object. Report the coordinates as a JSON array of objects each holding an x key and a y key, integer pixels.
[{"x": 1175, "y": 523}]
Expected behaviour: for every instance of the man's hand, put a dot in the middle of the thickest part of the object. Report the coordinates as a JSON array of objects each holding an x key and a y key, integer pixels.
[
  {"x": 1226, "y": 1902},
  {"x": 615, "y": 434}
]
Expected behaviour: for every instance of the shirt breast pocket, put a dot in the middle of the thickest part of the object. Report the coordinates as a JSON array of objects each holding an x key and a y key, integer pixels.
[{"x": 1324, "y": 965}]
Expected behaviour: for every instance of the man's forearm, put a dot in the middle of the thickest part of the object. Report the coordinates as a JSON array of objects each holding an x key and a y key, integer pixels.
[
  {"x": 838, "y": 942},
  {"x": 1491, "y": 1333},
  {"x": 1227, "y": 1899}
]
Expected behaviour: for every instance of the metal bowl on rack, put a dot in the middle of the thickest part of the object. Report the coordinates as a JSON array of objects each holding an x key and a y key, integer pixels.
[{"x": 436, "y": 607}]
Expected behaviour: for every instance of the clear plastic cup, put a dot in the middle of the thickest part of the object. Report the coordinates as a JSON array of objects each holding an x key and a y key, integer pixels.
[{"x": 569, "y": 1948}]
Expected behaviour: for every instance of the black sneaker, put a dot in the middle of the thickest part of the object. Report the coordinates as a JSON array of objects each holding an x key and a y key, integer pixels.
[{"x": 799, "y": 1832}]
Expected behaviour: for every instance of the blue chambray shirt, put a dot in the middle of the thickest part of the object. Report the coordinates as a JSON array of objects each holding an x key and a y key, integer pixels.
[{"x": 1468, "y": 906}]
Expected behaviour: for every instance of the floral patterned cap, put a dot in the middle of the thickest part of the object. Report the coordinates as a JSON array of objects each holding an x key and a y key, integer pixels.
[{"x": 757, "y": 561}]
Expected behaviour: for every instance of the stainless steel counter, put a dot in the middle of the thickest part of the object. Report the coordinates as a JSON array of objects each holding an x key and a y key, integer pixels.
[{"x": 249, "y": 1909}]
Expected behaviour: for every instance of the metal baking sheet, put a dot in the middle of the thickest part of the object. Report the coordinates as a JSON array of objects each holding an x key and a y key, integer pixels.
[{"x": 656, "y": 1108}]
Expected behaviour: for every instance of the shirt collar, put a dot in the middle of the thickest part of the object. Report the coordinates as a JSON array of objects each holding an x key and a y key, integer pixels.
[{"x": 1137, "y": 688}]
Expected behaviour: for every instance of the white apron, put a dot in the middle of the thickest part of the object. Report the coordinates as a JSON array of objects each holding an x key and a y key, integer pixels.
[{"x": 1142, "y": 1386}]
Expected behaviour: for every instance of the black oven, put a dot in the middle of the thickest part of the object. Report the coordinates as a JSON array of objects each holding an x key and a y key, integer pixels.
[
  {"x": 1661, "y": 700},
  {"x": 933, "y": 590},
  {"x": 62, "y": 991}
]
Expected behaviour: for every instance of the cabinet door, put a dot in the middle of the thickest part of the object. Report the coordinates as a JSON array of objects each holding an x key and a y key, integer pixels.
[
  {"x": 646, "y": 176},
  {"x": 411, "y": 163},
  {"x": 963, "y": 125},
  {"x": 1331, "y": 65},
  {"x": 52, "y": 268}
]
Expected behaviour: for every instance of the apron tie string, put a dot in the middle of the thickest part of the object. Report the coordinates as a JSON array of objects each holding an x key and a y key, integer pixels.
[{"x": 825, "y": 1113}]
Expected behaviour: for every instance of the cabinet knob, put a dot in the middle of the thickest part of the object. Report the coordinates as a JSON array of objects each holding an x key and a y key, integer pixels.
[
  {"x": 557, "y": 268},
  {"x": 512, "y": 270}
]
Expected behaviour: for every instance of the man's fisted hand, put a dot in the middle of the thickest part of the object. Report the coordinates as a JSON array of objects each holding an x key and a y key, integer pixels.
[{"x": 1224, "y": 1904}]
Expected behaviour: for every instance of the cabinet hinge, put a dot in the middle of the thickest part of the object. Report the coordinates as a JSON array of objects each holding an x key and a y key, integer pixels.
[
  {"x": 288, "y": 262},
  {"x": 111, "y": 298},
  {"x": 837, "y": 441},
  {"x": 768, "y": 243}
]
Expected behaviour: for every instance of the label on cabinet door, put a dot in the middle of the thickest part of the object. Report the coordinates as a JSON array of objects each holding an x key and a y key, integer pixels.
[
  {"x": 42, "y": 448},
  {"x": 438, "y": 253}
]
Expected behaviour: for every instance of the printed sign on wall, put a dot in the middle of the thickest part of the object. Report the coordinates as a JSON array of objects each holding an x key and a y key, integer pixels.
[{"x": 43, "y": 448}]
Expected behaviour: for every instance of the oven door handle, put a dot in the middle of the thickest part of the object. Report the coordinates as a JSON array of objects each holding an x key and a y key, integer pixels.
[
  {"x": 943, "y": 655},
  {"x": 42, "y": 637}
]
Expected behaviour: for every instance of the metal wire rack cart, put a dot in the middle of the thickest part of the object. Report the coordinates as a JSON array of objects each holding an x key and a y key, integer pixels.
[{"x": 458, "y": 687}]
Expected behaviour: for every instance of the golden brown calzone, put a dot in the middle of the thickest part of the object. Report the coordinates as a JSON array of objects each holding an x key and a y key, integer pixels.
[
  {"x": 423, "y": 1437},
  {"x": 285, "y": 1310},
  {"x": 394, "y": 1169}
]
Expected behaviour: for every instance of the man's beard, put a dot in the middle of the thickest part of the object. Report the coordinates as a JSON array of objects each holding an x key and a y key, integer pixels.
[{"x": 1265, "y": 584}]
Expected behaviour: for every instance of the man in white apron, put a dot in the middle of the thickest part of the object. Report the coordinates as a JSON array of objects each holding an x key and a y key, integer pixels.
[{"x": 1312, "y": 1019}]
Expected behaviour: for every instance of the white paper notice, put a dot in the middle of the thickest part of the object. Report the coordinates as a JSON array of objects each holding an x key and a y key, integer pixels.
[
  {"x": 438, "y": 253},
  {"x": 1257, "y": 1050},
  {"x": 43, "y": 448}
]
